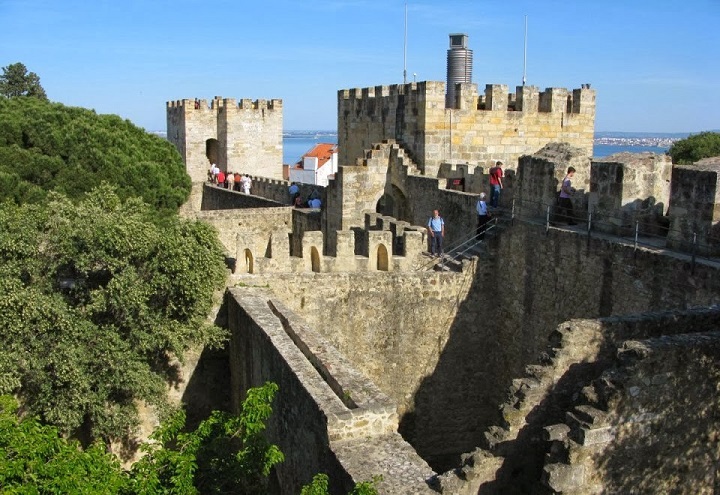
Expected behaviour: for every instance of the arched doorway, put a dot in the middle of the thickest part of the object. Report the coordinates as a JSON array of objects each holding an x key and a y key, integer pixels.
[
  {"x": 394, "y": 204},
  {"x": 315, "y": 259},
  {"x": 212, "y": 150},
  {"x": 382, "y": 258},
  {"x": 249, "y": 261}
]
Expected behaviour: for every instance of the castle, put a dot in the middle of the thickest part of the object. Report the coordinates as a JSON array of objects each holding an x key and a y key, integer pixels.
[{"x": 549, "y": 360}]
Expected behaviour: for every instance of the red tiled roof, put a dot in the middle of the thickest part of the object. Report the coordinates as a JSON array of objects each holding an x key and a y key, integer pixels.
[{"x": 322, "y": 151}]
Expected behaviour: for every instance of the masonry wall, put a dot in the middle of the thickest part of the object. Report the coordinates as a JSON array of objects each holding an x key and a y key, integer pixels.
[
  {"x": 478, "y": 131},
  {"x": 632, "y": 433},
  {"x": 326, "y": 414},
  {"x": 695, "y": 207},
  {"x": 188, "y": 129},
  {"x": 447, "y": 347},
  {"x": 250, "y": 135},
  {"x": 243, "y": 137},
  {"x": 630, "y": 187}
]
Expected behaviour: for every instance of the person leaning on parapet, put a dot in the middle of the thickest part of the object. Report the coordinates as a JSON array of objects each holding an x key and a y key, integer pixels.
[
  {"x": 314, "y": 203},
  {"x": 294, "y": 192},
  {"x": 483, "y": 217},
  {"x": 496, "y": 185},
  {"x": 564, "y": 200},
  {"x": 436, "y": 229}
]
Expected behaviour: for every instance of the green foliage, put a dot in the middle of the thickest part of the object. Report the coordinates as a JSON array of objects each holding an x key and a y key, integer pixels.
[
  {"x": 320, "y": 486},
  {"x": 35, "y": 459},
  {"x": 47, "y": 146},
  {"x": 95, "y": 301},
  {"x": 225, "y": 454},
  {"x": 17, "y": 81},
  {"x": 695, "y": 148}
]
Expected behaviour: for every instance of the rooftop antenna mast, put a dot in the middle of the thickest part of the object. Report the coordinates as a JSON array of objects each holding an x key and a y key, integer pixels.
[
  {"x": 405, "y": 49},
  {"x": 525, "y": 55}
]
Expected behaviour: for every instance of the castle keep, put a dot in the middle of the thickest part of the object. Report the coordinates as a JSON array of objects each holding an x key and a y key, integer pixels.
[
  {"x": 477, "y": 129},
  {"x": 546, "y": 360},
  {"x": 243, "y": 137}
]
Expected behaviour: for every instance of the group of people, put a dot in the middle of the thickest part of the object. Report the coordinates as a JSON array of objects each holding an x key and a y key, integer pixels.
[
  {"x": 230, "y": 180},
  {"x": 296, "y": 200},
  {"x": 436, "y": 224}
]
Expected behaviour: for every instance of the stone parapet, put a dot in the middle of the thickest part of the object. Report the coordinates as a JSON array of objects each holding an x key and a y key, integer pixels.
[
  {"x": 334, "y": 401},
  {"x": 695, "y": 208}
]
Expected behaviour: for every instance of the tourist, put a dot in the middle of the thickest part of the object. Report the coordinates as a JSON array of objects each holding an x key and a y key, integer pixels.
[
  {"x": 436, "y": 229},
  {"x": 496, "y": 177},
  {"x": 238, "y": 178},
  {"x": 294, "y": 192},
  {"x": 564, "y": 200},
  {"x": 220, "y": 178},
  {"x": 214, "y": 172},
  {"x": 231, "y": 181},
  {"x": 314, "y": 203},
  {"x": 246, "y": 183},
  {"x": 483, "y": 217}
]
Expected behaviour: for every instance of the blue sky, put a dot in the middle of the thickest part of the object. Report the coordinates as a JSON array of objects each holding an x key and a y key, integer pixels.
[{"x": 654, "y": 64}]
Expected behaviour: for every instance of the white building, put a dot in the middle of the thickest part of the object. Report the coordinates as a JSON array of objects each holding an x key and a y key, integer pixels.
[{"x": 316, "y": 166}]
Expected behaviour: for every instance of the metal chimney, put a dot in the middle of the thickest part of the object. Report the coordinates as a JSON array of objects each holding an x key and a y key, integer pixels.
[{"x": 459, "y": 66}]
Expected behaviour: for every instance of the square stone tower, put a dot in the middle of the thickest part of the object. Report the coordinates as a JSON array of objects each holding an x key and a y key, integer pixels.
[{"x": 244, "y": 137}]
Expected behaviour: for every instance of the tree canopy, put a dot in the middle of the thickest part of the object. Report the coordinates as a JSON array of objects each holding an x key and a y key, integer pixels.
[
  {"x": 695, "y": 148},
  {"x": 48, "y": 146},
  {"x": 96, "y": 299},
  {"x": 17, "y": 81}
]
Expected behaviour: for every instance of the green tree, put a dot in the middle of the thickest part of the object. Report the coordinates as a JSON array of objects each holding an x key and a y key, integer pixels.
[
  {"x": 695, "y": 148},
  {"x": 225, "y": 454},
  {"x": 96, "y": 299},
  {"x": 17, "y": 81},
  {"x": 47, "y": 146},
  {"x": 34, "y": 458}
]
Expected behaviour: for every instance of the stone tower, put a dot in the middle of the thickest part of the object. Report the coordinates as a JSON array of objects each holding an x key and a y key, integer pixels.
[{"x": 243, "y": 137}]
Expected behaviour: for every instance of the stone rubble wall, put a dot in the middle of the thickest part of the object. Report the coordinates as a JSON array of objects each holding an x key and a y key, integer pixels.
[
  {"x": 579, "y": 352},
  {"x": 322, "y": 399},
  {"x": 632, "y": 434}
]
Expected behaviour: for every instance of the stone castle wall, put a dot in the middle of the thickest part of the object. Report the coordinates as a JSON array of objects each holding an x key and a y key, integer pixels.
[
  {"x": 448, "y": 363},
  {"x": 324, "y": 405},
  {"x": 480, "y": 130},
  {"x": 629, "y": 421},
  {"x": 243, "y": 137}
]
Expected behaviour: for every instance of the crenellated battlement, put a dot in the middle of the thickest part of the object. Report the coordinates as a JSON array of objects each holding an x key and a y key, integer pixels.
[
  {"x": 237, "y": 135},
  {"x": 478, "y": 129},
  {"x": 495, "y": 98}
]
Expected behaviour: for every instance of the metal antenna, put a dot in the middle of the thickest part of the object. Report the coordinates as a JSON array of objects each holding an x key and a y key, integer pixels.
[
  {"x": 525, "y": 54},
  {"x": 405, "y": 49}
]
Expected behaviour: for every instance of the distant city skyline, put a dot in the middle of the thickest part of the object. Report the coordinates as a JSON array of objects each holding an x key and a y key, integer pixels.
[{"x": 652, "y": 63}]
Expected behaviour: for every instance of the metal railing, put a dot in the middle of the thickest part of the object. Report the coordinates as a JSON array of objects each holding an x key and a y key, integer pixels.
[
  {"x": 633, "y": 228},
  {"x": 462, "y": 248}
]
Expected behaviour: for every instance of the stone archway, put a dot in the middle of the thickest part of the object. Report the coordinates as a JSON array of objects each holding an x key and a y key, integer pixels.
[
  {"x": 249, "y": 261},
  {"x": 394, "y": 204},
  {"x": 383, "y": 261},
  {"x": 212, "y": 150},
  {"x": 315, "y": 259}
]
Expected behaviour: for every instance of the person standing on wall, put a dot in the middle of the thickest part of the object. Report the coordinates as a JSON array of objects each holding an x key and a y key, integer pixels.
[
  {"x": 496, "y": 185},
  {"x": 483, "y": 217},
  {"x": 564, "y": 200},
  {"x": 436, "y": 229}
]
